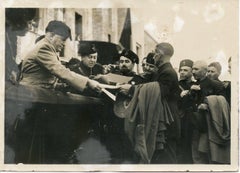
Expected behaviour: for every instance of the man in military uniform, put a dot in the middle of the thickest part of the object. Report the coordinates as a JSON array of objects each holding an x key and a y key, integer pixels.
[
  {"x": 42, "y": 70},
  {"x": 88, "y": 65},
  {"x": 41, "y": 67}
]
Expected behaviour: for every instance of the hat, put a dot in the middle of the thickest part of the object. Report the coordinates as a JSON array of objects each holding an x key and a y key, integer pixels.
[
  {"x": 130, "y": 55},
  {"x": 186, "y": 62},
  {"x": 86, "y": 48},
  {"x": 120, "y": 105},
  {"x": 59, "y": 28},
  {"x": 165, "y": 49},
  {"x": 149, "y": 58}
]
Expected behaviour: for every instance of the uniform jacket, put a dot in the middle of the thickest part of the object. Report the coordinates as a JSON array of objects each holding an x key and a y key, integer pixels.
[
  {"x": 42, "y": 67},
  {"x": 80, "y": 68}
]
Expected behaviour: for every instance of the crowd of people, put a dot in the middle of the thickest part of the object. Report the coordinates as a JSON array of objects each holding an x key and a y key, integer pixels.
[{"x": 167, "y": 119}]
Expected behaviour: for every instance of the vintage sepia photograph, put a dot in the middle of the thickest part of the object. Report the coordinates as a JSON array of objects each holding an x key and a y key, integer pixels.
[{"x": 119, "y": 86}]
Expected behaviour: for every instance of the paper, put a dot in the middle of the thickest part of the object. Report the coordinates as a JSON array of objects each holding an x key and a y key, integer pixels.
[{"x": 113, "y": 97}]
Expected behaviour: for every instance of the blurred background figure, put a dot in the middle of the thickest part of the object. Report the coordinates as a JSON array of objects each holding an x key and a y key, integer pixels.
[
  {"x": 18, "y": 22},
  {"x": 144, "y": 64},
  {"x": 214, "y": 70}
]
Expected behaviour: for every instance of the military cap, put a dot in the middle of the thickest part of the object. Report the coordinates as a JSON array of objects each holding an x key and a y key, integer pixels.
[
  {"x": 150, "y": 59},
  {"x": 59, "y": 28},
  {"x": 130, "y": 55},
  {"x": 186, "y": 62},
  {"x": 86, "y": 48},
  {"x": 164, "y": 49}
]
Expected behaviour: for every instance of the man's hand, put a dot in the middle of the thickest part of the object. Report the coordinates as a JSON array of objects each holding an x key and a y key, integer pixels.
[
  {"x": 195, "y": 87},
  {"x": 184, "y": 92},
  {"x": 94, "y": 85},
  {"x": 124, "y": 88},
  {"x": 203, "y": 107}
]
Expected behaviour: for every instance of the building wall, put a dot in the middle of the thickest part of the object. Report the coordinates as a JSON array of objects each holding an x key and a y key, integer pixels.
[
  {"x": 149, "y": 43},
  {"x": 102, "y": 24}
]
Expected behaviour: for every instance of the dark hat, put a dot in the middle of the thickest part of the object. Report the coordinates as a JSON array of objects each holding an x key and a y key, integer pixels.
[
  {"x": 164, "y": 49},
  {"x": 86, "y": 48},
  {"x": 120, "y": 105},
  {"x": 59, "y": 28},
  {"x": 150, "y": 59},
  {"x": 186, "y": 62},
  {"x": 130, "y": 55}
]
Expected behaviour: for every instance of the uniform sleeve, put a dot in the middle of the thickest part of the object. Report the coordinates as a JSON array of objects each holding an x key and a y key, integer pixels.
[{"x": 48, "y": 59}]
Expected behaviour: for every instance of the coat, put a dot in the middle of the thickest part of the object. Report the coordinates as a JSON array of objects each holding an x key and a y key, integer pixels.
[
  {"x": 218, "y": 121},
  {"x": 147, "y": 114},
  {"x": 167, "y": 78},
  {"x": 42, "y": 67}
]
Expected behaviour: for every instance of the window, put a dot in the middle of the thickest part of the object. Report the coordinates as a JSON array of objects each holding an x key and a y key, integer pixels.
[{"x": 78, "y": 27}]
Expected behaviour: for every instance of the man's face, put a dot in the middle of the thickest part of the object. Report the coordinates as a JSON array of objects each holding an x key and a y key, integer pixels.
[
  {"x": 144, "y": 65},
  {"x": 58, "y": 42},
  {"x": 125, "y": 64},
  {"x": 199, "y": 72},
  {"x": 150, "y": 68},
  {"x": 185, "y": 73},
  {"x": 157, "y": 59},
  {"x": 90, "y": 60},
  {"x": 212, "y": 73}
]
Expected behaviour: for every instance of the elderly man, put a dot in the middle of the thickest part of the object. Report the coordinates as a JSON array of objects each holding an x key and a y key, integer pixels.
[
  {"x": 197, "y": 93},
  {"x": 41, "y": 66}
]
